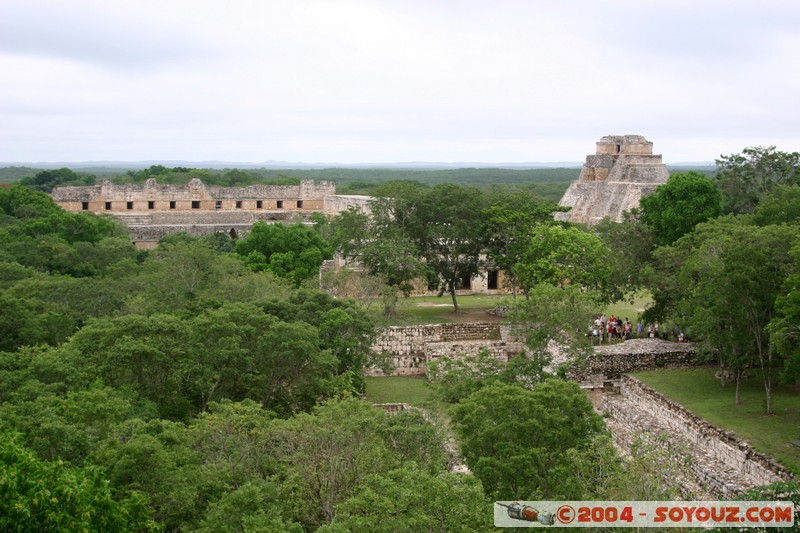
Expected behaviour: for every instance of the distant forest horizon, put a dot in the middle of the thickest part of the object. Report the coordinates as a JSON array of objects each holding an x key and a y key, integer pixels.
[{"x": 547, "y": 182}]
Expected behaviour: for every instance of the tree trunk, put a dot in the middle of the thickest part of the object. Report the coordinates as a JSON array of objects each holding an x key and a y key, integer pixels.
[
  {"x": 390, "y": 301},
  {"x": 452, "y": 288},
  {"x": 766, "y": 367},
  {"x": 738, "y": 387}
]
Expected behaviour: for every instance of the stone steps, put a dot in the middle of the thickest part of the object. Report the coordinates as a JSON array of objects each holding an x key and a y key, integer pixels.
[{"x": 707, "y": 477}]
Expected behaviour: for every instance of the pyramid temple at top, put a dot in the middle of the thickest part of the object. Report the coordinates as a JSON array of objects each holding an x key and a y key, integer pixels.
[{"x": 613, "y": 180}]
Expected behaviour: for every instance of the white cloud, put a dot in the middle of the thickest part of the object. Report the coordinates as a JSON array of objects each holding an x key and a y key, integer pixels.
[{"x": 358, "y": 81}]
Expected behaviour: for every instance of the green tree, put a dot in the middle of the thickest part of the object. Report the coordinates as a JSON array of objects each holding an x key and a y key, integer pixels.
[
  {"x": 675, "y": 208},
  {"x": 509, "y": 219},
  {"x": 47, "y": 180},
  {"x": 562, "y": 256},
  {"x": 630, "y": 246},
  {"x": 409, "y": 500},
  {"x": 254, "y": 506},
  {"x": 155, "y": 458},
  {"x": 38, "y": 495},
  {"x": 780, "y": 206},
  {"x": 22, "y": 203},
  {"x": 446, "y": 226},
  {"x": 784, "y": 328},
  {"x": 746, "y": 178},
  {"x": 292, "y": 372},
  {"x": 179, "y": 274},
  {"x": 69, "y": 427},
  {"x": 31, "y": 321},
  {"x": 328, "y": 455},
  {"x": 292, "y": 252},
  {"x": 458, "y": 377},
  {"x": 382, "y": 246},
  {"x": 148, "y": 354},
  {"x": 517, "y": 441},
  {"x": 723, "y": 280},
  {"x": 552, "y": 318}
]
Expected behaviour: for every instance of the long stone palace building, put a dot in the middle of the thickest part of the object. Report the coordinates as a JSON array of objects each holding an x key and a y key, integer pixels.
[
  {"x": 611, "y": 181},
  {"x": 152, "y": 211}
]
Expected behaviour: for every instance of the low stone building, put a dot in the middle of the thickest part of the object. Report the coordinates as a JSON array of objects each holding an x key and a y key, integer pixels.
[
  {"x": 152, "y": 211},
  {"x": 613, "y": 180}
]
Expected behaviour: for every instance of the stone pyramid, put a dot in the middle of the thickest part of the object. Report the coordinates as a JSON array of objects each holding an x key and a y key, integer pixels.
[{"x": 613, "y": 180}]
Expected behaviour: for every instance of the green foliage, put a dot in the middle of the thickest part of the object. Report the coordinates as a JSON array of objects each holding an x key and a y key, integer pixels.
[
  {"x": 518, "y": 441},
  {"x": 562, "y": 256},
  {"x": 409, "y": 500},
  {"x": 23, "y": 203},
  {"x": 155, "y": 458},
  {"x": 723, "y": 280},
  {"x": 291, "y": 252},
  {"x": 446, "y": 226},
  {"x": 253, "y": 506},
  {"x": 510, "y": 218},
  {"x": 779, "y": 491},
  {"x": 236, "y": 351},
  {"x": 179, "y": 274},
  {"x": 549, "y": 183},
  {"x": 39, "y": 234},
  {"x": 784, "y": 328},
  {"x": 746, "y": 178},
  {"x": 29, "y": 322},
  {"x": 69, "y": 426},
  {"x": 630, "y": 248},
  {"x": 415, "y": 231},
  {"x": 552, "y": 315},
  {"x": 381, "y": 245},
  {"x": 329, "y": 454},
  {"x": 780, "y": 206},
  {"x": 652, "y": 472},
  {"x": 458, "y": 377},
  {"x": 47, "y": 180},
  {"x": 40, "y": 495},
  {"x": 12, "y": 174},
  {"x": 675, "y": 208}
]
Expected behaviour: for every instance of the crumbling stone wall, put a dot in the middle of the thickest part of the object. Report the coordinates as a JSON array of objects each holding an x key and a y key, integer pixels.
[
  {"x": 335, "y": 204},
  {"x": 410, "y": 348},
  {"x": 721, "y": 464},
  {"x": 613, "y": 180},
  {"x": 606, "y": 366}
]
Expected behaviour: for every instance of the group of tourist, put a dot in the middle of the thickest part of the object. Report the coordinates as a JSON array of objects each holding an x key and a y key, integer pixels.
[{"x": 614, "y": 328}]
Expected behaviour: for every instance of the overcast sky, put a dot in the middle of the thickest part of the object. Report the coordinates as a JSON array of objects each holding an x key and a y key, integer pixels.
[{"x": 391, "y": 81}]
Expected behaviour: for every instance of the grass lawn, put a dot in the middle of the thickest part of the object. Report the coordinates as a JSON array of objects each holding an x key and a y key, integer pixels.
[
  {"x": 438, "y": 310},
  {"x": 698, "y": 391},
  {"x": 398, "y": 389},
  {"x": 628, "y": 309}
]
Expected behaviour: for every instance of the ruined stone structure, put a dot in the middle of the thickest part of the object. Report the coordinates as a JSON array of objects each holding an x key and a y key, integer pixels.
[
  {"x": 606, "y": 367},
  {"x": 718, "y": 464},
  {"x": 152, "y": 211},
  {"x": 411, "y": 348},
  {"x": 721, "y": 465},
  {"x": 613, "y": 180},
  {"x": 335, "y": 204}
]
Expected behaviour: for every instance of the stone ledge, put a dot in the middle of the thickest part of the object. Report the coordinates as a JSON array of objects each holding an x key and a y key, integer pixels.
[{"x": 725, "y": 464}]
